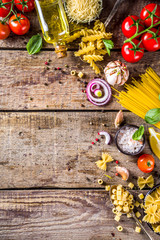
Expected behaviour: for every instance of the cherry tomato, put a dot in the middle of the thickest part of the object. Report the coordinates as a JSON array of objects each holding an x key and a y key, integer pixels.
[
  {"x": 129, "y": 26},
  {"x": 24, "y": 5},
  {"x": 150, "y": 10},
  {"x": 20, "y": 24},
  {"x": 4, "y": 30},
  {"x": 132, "y": 52},
  {"x": 146, "y": 163},
  {"x": 4, "y": 9},
  {"x": 151, "y": 40}
]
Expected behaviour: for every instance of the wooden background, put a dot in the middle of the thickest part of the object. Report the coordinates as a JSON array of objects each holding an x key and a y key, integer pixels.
[{"x": 48, "y": 184}]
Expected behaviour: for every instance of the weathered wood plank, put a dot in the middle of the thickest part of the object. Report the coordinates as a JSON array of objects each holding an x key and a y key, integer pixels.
[
  {"x": 128, "y": 7},
  {"x": 26, "y": 85},
  {"x": 62, "y": 215},
  {"x": 55, "y": 150}
]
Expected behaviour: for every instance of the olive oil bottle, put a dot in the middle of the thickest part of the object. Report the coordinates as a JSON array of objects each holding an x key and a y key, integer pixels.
[{"x": 54, "y": 23}]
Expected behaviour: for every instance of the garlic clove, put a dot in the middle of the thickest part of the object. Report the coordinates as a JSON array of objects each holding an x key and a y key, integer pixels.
[
  {"x": 119, "y": 119},
  {"x": 123, "y": 172}
]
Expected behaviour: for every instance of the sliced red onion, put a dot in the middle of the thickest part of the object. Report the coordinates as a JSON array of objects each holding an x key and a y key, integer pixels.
[
  {"x": 96, "y": 86},
  {"x": 107, "y": 136}
]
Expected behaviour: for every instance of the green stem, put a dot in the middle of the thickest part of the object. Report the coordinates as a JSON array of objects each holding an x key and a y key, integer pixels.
[
  {"x": 11, "y": 10},
  {"x": 139, "y": 33}
]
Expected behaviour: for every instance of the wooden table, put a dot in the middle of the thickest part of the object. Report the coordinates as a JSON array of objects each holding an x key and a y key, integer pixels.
[{"x": 48, "y": 184}]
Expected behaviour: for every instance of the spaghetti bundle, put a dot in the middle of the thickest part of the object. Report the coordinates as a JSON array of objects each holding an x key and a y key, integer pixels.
[{"x": 141, "y": 96}]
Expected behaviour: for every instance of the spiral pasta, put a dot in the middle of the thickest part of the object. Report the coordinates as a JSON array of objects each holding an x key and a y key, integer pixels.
[
  {"x": 93, "y": 57},
  {"x": 92, "y": 48},
  {"x": 85, "y": 50}
]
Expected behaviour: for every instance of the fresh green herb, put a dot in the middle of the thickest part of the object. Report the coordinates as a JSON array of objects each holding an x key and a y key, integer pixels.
[
  {"x": 138, "y": 134},
  {"x": 159, "y": 97},
  {"x": 109, "y": 45},
  {"x": 153, "y": 116},
  {"x": 34, "y": 45}
]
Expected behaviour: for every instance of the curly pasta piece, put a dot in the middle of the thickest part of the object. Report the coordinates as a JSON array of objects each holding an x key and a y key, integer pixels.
[
  {"x": 92, "y": 38},
  {"x": 102, "y": 27},
  {"x": 93, "y": 57},
  {"x": 94, "y": 66},
  {"x": 73, "y": 37},
  {"x": 84, "y": 51},
  {"x": 84, "y": 32},
  {"x": 100, "y": 44},
  {"x": 100, "y": 52}
]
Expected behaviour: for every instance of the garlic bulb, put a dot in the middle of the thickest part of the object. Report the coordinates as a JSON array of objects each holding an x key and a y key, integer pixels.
[{"x": 116, "y": 72}]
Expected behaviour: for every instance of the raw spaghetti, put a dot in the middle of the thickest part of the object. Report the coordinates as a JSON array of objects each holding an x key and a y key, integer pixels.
[{"x": 141, "y": 96}]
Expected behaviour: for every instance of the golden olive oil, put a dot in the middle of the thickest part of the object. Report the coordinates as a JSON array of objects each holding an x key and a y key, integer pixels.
[{"x": 54, "y": 23}]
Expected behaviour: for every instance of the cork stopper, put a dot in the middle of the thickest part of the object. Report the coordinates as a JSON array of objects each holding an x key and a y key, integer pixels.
[{"x": 61, "y": 51}]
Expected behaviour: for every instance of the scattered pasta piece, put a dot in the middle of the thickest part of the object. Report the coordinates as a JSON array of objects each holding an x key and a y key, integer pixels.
[
  {"x": 129, "y": 215},
  {"x": 142, "y": 205},
  {"x": 138, "y": 214},
  {"x": 141, "y": 196},
  {"x": 142, "y": 182},
  {"x": 117, "y": 218},
  {"x": 120, "y": 228},
  {"x": 100, "y": 181},
  {"x": 107, "y": 188},
  {"x": 114, "y": 210},
  {"x": 102, "y": 164},
  {"x": 137, "y": 204},
  {"x": 138, "y": 229},
  {"x": 131, "y": 185},
  {"x": 80, "y": 74},
  {"x": 73, "y": 72}
]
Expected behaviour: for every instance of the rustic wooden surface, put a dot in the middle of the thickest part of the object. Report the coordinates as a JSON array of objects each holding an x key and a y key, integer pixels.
[
  {"x": 55, "y": 150},
  {"x": 36, "y": 88},
  {"x": 61, "y": 214},
  {"x": 48, "y": 184}
]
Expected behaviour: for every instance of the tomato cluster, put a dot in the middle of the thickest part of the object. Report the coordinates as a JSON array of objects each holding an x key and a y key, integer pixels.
[
  {"x": 18, "y": 23},
  {"x": 142, "y": 33}
]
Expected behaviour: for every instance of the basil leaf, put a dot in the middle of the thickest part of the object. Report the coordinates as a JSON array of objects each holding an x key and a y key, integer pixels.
[
  {"x": 109, "y": 45},
  {"x": 34, "y": 45},
  {"x": 139, "y": 133},
  {"x": 153, "y": 116}
]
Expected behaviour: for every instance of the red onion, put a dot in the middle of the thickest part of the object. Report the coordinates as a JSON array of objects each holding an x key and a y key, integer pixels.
[
  {"x": 98, "y": 92},
  {"x": 107, "y": 136}
]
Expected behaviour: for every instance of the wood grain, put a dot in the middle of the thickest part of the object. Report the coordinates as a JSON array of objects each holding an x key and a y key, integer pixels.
[
  {"x": 127, "y": 8},
  {"x": 27, "y": 84},
  {"x": 55, "y": 150},
  {"x": 62, "y": 215}
]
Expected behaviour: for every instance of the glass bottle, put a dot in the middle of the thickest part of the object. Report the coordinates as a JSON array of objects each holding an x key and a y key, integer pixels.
[{"x": 54, "y": 23}]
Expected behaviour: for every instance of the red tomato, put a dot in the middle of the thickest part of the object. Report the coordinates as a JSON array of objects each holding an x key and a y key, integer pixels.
[
  {"x": 151, "y": 10},
  {"x": 129, "y": 26},
  {"x": 20, "y": 24},
  {"x": 4, "y": 9},
  {"x": 4, "y": 30},
  {"x": 24, "y": 5},
  {"x": 146, "y": 163},
  {"x": 132, "y": 52},
  {"x": 151, "y": 40}
]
